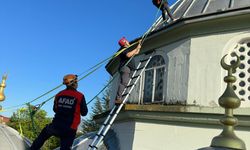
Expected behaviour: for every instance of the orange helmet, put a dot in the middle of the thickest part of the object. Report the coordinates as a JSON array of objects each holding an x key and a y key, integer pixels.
[{"x": 69, "y": 79}]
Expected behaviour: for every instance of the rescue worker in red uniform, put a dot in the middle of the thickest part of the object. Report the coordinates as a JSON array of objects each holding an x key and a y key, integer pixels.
[
  {"x": 163, "y": 6},
  {"x": 69, "y": 106}
]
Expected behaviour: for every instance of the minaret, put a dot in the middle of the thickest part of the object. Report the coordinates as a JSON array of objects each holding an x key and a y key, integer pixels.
[{"x": 2, "y": 86}]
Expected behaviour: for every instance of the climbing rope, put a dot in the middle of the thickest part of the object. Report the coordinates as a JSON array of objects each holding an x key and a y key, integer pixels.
[
  {"x": 41, "y": 104},
  {"x": 32, "y": 112},
  {"x": 19, "y": 122},
  {"x": 34, "y": 109},
  {"x": 153, "y": 26},
  {"x": 88, "y": 71}
]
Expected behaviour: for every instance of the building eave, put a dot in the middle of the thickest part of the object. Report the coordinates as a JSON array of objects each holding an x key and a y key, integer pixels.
[
  {"x": 177, "y": 115},
  {"x": 184, "y": 28}
]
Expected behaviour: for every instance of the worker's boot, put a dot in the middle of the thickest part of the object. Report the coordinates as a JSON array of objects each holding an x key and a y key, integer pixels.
[{"x": 118, "y": 101}]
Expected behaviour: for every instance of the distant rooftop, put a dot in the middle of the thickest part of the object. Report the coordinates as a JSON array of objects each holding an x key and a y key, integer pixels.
[{"x": 11, "y": 140}]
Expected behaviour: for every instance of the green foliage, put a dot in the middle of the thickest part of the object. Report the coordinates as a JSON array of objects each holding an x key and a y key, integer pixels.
[
  {"x": 101, "y": 105},
  {"x": 106, "y": 99},
  {"x": 21, "y": 121},
  {"x": 98, "y": 107},
  {"x": 89, "y": 125}
]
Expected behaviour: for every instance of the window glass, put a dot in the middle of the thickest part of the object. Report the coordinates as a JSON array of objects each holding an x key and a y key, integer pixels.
[
  {"x": 148, "y": 86},
  {"x": 155, "y": 61},
  {"x": 153, "y": 80},
  {"x": 159, "y": 84}
]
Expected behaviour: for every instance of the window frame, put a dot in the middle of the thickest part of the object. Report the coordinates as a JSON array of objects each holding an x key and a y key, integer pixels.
[{"x": 142, "y": 82}]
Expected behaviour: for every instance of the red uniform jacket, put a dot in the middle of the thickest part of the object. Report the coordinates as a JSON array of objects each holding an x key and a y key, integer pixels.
[{"x": 69, "y": 105}]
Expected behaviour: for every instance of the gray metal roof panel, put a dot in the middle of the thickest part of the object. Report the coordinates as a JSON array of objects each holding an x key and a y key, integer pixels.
[
  {"x": 193, "y": 10},
  {"x": 183, "y": 9},
  {"x": 217, "y": 5},
  {"x": 177, "y": 4},
  {"x": 196, "y": 8},
  {"x": 240, "y": 3}
]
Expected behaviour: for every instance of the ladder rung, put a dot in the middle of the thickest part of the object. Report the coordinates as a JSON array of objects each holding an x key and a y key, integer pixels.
[
  {"x": 136, "y": 77},
  {"x": 130, "y": 85},
  {"x": 137, "y": 73},
  {"x": 125, "y": 94},
  {"x": 93, "y": 146},
  {"x": 144, "y": 60},
  {"x": 140, "y": 68},
  {"x": 116, "y": 109},
  {"x": 150, "y": 52},
  {"x": 108, "y": 122},
  {"x": 99, "y": 135}
]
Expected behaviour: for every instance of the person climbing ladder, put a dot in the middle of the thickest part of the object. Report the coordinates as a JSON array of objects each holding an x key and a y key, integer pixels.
[
  {"x": 123, "y": 68},
  {"x": 164, "y": 7}
]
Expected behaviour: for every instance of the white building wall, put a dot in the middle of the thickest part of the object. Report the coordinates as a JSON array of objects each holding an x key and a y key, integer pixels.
[
  {"x": 193, "y": 71},
  {"x": 152, "y": 136},
  {"x": 177, "y": 72},
  {"x": 125, "y": 133},
  {"x": 205, "y": 81}
]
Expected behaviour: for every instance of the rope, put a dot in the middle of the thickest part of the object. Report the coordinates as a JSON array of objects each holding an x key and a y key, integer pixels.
[
  {"x": 145, "y": 35},
  {"x": 102, "y": 89},
  {"x": 40, "y": 105},
  {"x": 34, "y": 109},
  {"x": 32, "y": 112},
  {"x": 151, "y": 28},
  {"x": 95, "y": 67},
  {"x": 20, "y": 126},
  {"x": 119, "y": 52}
]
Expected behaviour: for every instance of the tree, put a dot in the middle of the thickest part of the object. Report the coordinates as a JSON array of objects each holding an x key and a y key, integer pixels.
[
  {"x": 100, "y": 106},
  {"x": 106, "y": 99},
  {"x": 89, "y": 124},
  {"x": 22, "y": 122}
]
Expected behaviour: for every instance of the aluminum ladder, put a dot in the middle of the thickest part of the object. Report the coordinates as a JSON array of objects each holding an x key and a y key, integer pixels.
[{"x": 116, "y": 109}]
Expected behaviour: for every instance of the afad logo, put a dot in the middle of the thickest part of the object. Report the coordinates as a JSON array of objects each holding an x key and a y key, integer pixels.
[{"x": 66, "y": 101}]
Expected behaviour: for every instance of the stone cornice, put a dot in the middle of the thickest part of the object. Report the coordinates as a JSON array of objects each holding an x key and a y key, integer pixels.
[{"x": 178, "y": 115}]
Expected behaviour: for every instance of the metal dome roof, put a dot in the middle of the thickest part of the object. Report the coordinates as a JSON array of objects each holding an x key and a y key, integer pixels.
[
  {"x": 184, "y": 9},
  {"x": 189, "y": 11},
  {"x": 189, "y": 8}
]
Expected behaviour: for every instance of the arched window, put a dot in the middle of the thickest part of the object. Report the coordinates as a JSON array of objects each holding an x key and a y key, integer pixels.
[
  {"x": 153, "y": 80},
  {"x": 242, "y": 84}
]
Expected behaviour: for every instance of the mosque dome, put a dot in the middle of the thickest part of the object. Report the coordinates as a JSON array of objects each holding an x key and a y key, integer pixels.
[{"x": 196, "y": 9}]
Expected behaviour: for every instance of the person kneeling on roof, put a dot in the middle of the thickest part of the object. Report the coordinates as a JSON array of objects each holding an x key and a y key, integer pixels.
[{"x": 164, "y": 7}]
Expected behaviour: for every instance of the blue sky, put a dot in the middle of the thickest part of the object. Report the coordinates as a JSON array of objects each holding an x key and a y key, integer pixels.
[{"x": 42, "y": 40}]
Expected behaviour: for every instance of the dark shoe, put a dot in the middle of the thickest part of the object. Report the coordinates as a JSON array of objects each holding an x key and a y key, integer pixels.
[{"x": 118, "y": 101}]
